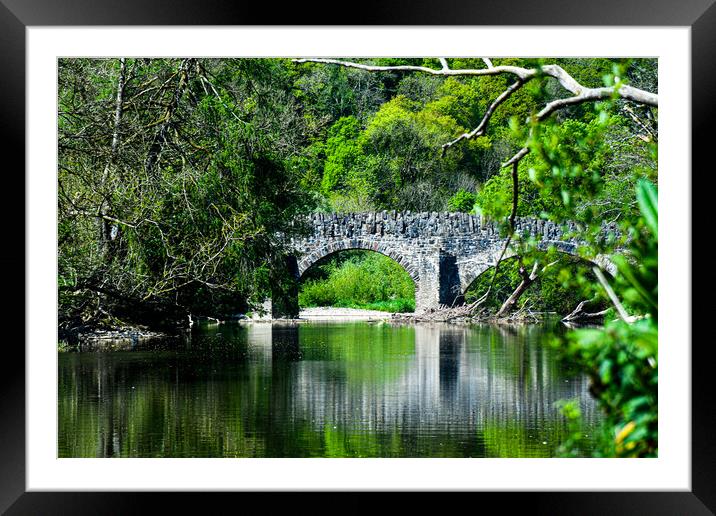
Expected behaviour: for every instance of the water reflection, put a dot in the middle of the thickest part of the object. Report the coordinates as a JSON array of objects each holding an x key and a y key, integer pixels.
[{"x": 322, "y": 390}]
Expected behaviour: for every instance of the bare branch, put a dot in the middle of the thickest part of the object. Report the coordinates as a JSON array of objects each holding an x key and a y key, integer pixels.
[
  {"x": 522, "y": 73},
  {"x": 580, "y": 313},
  {"x": 513, "y": 216},
  {"x": 524, "y": 151},
  {"x": 650, "y": 134},
  {"x": 480, "y": 129},
  {"x": 525, "y": 74},
  {"x": 586, "y": 95},
  {"x": 527, "y": 280},
  {"x": 612, "y": 296},
  {"x": 102, "y": 216},
  {"x": 580, "y": 94}
]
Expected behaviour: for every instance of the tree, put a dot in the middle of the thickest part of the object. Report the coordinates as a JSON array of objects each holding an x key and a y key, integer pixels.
[
  {"x": 462, "y": 201},
  {"x": 188, "y": 167},
  {"x": 622, "y": 357}
]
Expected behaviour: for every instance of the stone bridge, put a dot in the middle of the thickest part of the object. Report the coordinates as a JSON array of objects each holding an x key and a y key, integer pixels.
[{"x": 442, "y": 252}]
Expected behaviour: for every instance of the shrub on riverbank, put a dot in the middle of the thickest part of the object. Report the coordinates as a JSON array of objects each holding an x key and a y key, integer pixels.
[{"x": 359, "y": 279}]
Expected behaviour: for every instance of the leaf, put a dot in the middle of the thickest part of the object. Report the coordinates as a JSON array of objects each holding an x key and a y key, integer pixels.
[
  {"x": 626, "y": 270},
  {"x": 647, "y": 196},
  {"x": 589, "y": 337},
  {"x": 628, "y": 428},
  {"x": 565, "y": 197},
  {"x": 605, "y": 371}
]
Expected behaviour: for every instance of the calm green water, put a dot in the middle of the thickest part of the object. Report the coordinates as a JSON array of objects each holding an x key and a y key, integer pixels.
[{"x": 322, "y": 390}]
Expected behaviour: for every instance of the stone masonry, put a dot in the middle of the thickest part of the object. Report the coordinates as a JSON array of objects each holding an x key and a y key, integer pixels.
[{"x": 442, "y": 252}]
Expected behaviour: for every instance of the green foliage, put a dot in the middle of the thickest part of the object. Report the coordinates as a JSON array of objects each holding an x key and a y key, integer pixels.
[
  {"x": 382, "y": 165},
  {"x": 342, "y": 153},
  {"x": 463, "y": 201},
  {"x": 239, "y": 147},
  {"x": 364, "y": 280},
  {"x": 180, "y": 215},
  {"x": 386, "y": 130},
  {"x": 622, "y": 357},
  {"x": 186, "y": 204},
  {"x": 576, "y": 443},
  {"x": 579, "y": 171},
  {"x": 639, "y": 271},
  {"x": 333, "y": 92}
]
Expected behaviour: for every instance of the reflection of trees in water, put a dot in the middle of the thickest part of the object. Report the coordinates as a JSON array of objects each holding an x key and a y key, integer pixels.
[
  {"x": 450, "y": 386},
  {"x": 313, "y": 390}
]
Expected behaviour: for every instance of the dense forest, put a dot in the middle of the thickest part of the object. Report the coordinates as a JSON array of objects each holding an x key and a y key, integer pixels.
[{"x": 181, "y": 182}]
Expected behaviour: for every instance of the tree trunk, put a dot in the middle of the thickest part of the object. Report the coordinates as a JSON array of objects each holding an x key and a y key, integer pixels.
[
  {"x": 527, "y": 280},
  {"x": 580, "y": 314},
  {"x": 106, "y": 235},
  {"x": 162, "y": 135}
]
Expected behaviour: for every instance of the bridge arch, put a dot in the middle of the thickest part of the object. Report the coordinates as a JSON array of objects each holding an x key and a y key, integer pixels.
[
  {"x": 469, "y": 277},
  {"x": 332, "y": 247}
]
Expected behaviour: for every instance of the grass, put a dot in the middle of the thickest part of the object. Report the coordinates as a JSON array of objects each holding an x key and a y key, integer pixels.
[{"x": 359, "y": 279}]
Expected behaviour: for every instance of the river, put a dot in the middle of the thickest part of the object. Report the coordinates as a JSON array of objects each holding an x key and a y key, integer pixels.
[{"x": 323, "y": 389}]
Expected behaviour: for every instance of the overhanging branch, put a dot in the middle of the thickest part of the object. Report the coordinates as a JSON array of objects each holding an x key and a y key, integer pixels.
[{"x": 580, "y": 93}]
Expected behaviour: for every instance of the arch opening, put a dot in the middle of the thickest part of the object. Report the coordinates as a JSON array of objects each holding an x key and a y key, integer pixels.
[
  {"x": 355, "y": 277},
  {"x": 315, "y": 255},
  {"x": 563, "y": 281}
]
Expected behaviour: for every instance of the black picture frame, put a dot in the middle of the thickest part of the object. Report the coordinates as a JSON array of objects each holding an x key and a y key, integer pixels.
[{"x": 17, "y": 15}]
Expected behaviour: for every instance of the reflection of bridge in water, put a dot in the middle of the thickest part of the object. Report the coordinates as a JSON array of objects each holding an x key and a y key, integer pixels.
[
  {"x": 457, "y": 381},
  {"x": 270, "y": 390}
]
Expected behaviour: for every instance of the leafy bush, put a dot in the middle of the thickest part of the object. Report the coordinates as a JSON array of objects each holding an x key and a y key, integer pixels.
[
  {"x": 364, "y": 280},
  {"x": 463, "y": 201},
  {"x": 622, "y": 358}
]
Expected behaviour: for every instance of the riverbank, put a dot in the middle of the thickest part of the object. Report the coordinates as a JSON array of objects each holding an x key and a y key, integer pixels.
[
  {"x": 329, "y": 313},
  {"x": 130, "y": 337},
  {"x": 112, "y": 340},
  {"x": 124, "y": 338}
]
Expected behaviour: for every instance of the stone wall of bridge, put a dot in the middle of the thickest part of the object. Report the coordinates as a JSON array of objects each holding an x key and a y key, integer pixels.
[{"x": 442, "y": 252}]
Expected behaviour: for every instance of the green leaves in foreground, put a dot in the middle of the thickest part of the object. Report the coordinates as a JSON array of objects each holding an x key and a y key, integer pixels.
[
  {"x": 647, "y": 197},
  {"x": 638, "y": 270},
  {"x": 622, "y": 358},
  {"x": 622, "y": 361}
]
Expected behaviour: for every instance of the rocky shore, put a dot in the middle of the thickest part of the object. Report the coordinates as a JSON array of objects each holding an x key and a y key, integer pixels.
[{"x": 112, "y": 340}]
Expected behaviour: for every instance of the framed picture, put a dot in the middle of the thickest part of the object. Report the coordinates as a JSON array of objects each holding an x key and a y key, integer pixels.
[{"x": 41, "y": 476}]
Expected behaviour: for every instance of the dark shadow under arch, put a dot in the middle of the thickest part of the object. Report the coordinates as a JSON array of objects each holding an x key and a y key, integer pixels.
[{"x": 568, "y": 250}]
